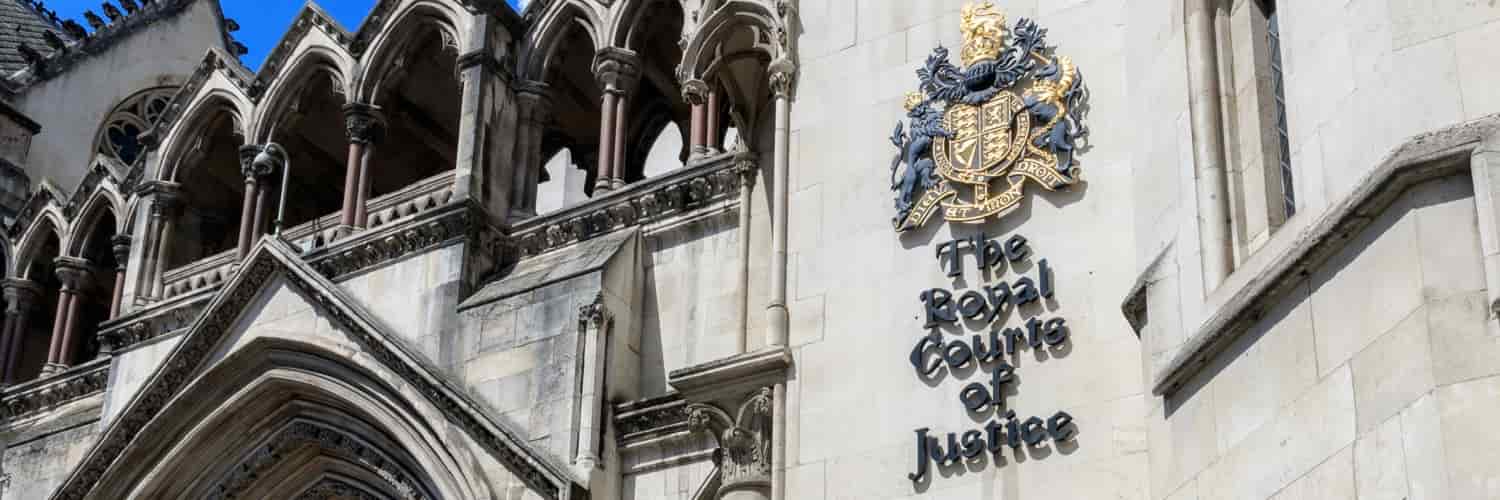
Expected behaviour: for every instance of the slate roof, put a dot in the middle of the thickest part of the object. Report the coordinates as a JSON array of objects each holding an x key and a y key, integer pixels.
[{"x": 19, "y": 23}]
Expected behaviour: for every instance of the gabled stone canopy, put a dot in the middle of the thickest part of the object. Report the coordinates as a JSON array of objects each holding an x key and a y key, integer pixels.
[{"x": 280, "y": 358}]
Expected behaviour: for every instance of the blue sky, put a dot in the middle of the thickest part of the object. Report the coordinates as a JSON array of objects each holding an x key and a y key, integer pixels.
[{"x": 262, "y": 22}]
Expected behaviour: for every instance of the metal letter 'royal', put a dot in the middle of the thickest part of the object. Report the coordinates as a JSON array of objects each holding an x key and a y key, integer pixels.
[{"x": 1010, "y": 115}]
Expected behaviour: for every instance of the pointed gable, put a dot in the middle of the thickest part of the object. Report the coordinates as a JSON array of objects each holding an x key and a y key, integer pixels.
[{"x": 274, "y": 283}]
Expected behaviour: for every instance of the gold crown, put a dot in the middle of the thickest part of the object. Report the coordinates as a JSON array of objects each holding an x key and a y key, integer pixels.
[
  {"x": 983, "y": 27},
  {"x": 913, "y": 99}
]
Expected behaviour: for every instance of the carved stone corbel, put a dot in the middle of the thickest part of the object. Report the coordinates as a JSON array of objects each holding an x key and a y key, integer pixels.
[{"x": 744, "y": 439}]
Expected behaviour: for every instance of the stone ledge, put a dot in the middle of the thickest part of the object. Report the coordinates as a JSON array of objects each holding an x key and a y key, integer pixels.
[
  {"x": 731, "y": 376},
  {"x": 677, "y": 192},
  {"x": 1423, "y": 157}
]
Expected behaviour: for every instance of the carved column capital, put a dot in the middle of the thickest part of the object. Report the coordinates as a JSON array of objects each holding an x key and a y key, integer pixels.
[
  {"x": 20, "y": 294},
  {"x": 120, "y": 245},
  {"x": 744, "y": 454},
  {"x": 617, "y": 70},
  {"x": 746, "y": 164},
  {"x": 363, "y": 123},
  {"x": 73, "y": 272},
  {"x": 695, "y": 92},
  {"x": 593, "y": 314}
]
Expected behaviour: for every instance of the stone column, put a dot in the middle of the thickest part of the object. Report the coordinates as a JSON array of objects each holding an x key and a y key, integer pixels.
[
  {"x": 165, "y": 202},
  {"x": 360, "y": 124},
  {"x": 20, "y": 296},
  {"x": 747, "y": 169},
  {"x": 744, "y": 439},
  {"x": 617, "y": 71},
  {"x": 120, "y": 245},
  {"x": 695, "y": 92},
  {"x": 778, "y": 319},
  {"x": 1215, "y": 240},
  {"x": 74, "y": 274},
  {"x": 251, "y": 204},
  {"x": 593, "y": 324},
  {"x": 535, "y": 105},
  {"x": 365, "y": 126},
  {"x": 713, "y": 131},
  {"x": 782, "y": 74}
]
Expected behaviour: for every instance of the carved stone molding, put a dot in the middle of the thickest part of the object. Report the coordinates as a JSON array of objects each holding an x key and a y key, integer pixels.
[
  {"x": 374, "y": 248},
  {"x": 654, "y": 416},
  {"x": 329, "y": 489},
  {"x": 592, "y": 314},
  {"x": 129, "y": 330},
  {"x": 744, "y": 454},
  {"x": 50, "y": 392},
  {"x": 639, "y": 203},
  {"x": 302, "y": 433}
]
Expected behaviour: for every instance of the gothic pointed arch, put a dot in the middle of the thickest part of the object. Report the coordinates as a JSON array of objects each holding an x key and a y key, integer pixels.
[
  {"x": 314, "y": 60},
  {"x": 386, "y": 59},
  {"x": 734, "y": 45},
  {"x": 303, "y": 111},
  {"x": 46, "y": 229},
  {"x": 100, "y": 212},
  {"x": 549, "y": 33}
]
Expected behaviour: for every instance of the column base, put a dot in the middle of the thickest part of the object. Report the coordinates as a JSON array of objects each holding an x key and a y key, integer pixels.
[
  {"x": 54, "y": 368},
  {"x": 617, "y": 183}
]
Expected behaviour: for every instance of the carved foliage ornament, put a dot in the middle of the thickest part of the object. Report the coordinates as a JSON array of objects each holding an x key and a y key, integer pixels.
[
  {"x": 1009, "y": 116},
  {"x": 744, "y": 454}
]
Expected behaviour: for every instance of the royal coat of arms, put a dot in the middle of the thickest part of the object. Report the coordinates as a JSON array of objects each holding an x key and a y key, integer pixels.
[{"x": 980, "y": 133}]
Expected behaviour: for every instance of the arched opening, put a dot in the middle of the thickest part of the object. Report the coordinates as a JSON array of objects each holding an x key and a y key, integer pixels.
[
  {"x": 311, "y": 129},
  {"x": 574, "y": 125},
  {"x": 420, "y": 99},
  {"x": 277, "y": 418},
  {"x": 40, "y": 269},
  {"x": 97, "y": 295},
  {"x": 213, "y": 189},
  {"x": 665, "y": 152},
  {"x": 658, "y": 103}
]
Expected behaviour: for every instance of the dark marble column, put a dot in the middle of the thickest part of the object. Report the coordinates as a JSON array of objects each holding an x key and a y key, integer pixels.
[
  {"x": 617, "y": 71},
  {"x": 20, "y": 296},
  {"x": 253, "y": 203},
  {"x": 365, "y": 126},
  {"x": 695, "y": 92}
]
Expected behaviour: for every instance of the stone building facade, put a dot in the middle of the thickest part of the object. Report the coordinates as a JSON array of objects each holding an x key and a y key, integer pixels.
[{"x": 665, "y": 249}]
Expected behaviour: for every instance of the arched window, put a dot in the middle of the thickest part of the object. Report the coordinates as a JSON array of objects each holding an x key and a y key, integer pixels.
[{"x": 119, "y": 137}]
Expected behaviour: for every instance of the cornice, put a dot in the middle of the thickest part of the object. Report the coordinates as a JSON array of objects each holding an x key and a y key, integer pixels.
[{"x": 50, "y": 392}]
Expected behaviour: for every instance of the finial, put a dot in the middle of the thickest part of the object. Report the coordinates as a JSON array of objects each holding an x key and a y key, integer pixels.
[{"x": 113, "y": 13}]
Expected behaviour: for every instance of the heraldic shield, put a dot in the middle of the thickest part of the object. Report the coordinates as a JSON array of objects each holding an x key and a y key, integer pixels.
[{"x": 974, "y": 141}]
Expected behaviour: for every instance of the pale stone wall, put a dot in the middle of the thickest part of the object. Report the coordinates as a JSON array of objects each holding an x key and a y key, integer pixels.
[
  {"x": 41, "y": 451},
  {"x": 1368, "y": 381},
  {"x": 72, "y": 106}
]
